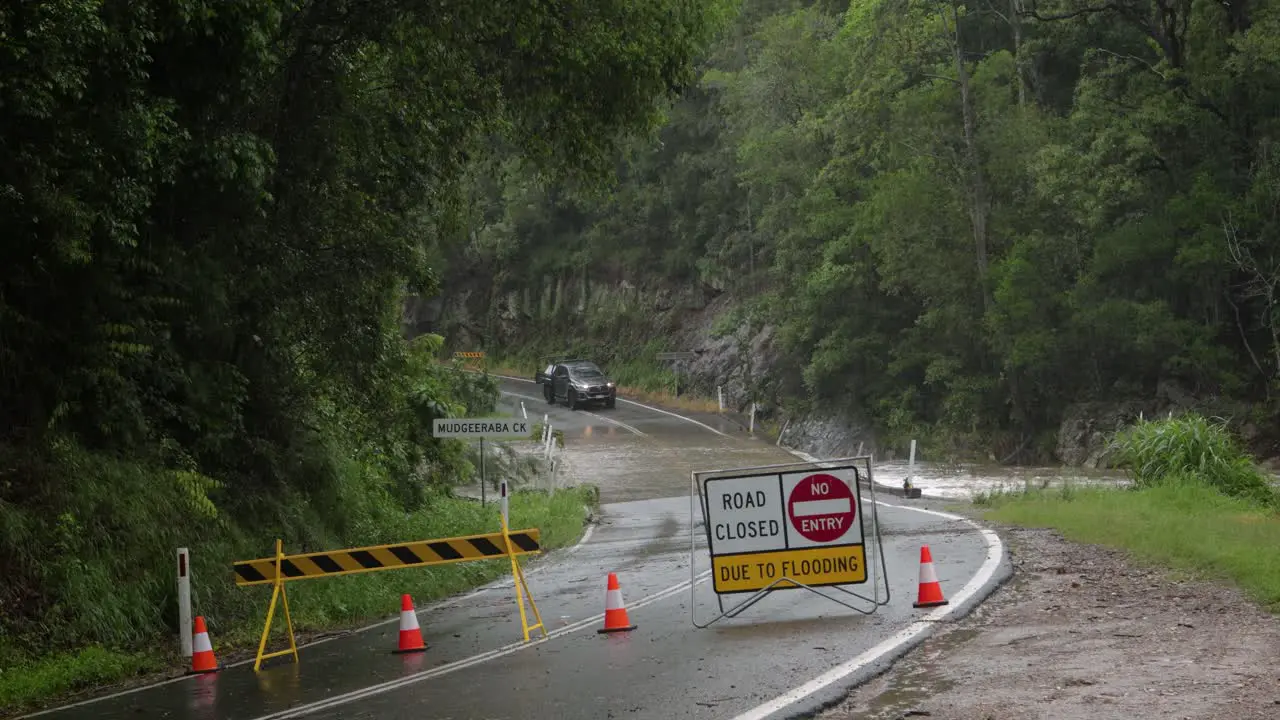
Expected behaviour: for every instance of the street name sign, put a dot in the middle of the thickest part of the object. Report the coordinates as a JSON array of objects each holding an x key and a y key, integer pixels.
[
  {"x": 804, "y": 526},
  {"x": 480, "y": 428}
]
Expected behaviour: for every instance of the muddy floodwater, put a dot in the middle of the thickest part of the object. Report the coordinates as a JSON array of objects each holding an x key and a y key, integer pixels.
[
  {"x": 636, "y": 453},
  {"x": 628, "y": 467},
  {"x": 962, "y": 481}
]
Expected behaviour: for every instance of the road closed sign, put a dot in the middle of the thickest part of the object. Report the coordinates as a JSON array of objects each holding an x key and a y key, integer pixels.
[{"x": 770, "y": 528}]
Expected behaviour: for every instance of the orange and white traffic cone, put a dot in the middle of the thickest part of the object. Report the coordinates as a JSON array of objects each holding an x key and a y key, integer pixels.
[
  {"x": 615, "y": 612},
  {"x": 202, "y": 659},
  {"x": 930, "y": 594},
  {"x": 410, "y": 633}
]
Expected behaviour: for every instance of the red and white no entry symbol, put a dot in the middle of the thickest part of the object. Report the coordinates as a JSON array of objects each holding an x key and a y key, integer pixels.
[{"x": 821, "y": 508}]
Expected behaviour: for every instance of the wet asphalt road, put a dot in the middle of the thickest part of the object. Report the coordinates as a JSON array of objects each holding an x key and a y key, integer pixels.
[{"x": 477, "y": 667}]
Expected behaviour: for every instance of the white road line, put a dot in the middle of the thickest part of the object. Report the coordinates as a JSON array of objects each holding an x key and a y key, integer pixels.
[
  {"x": 498, "y": 584},
  {"x": 681, "y": 417},
  {"x": 619, "y": 423},
  {"x": 629, "y": 402},
  {"x": 390, "y": 685},
  {"x": 995, "y": 551}
]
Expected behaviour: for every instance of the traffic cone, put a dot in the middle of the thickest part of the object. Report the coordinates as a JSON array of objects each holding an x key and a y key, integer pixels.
[
  {"x": 410, "y": 633},
  {"x": 615, "y": 613},
  {"x": 202, "y": 659},
  {"x": 930, "y": 594}
]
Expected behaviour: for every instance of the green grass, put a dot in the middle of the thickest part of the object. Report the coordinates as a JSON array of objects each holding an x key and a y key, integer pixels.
[
  {"x": 235, "y": 614},
  {"x": 52, "y": 676},
  {"x": 1184, "y": 523}
]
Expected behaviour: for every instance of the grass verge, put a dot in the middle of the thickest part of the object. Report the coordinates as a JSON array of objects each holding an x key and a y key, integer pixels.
[
  {"x": 1184, "y": 524},
  {"x": 28, "y": 682}
]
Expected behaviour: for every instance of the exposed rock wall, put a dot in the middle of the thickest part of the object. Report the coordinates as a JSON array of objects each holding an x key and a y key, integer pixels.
[
  {"x": 830, "y": 435},
  {"x": 1086, "y": 430},
  {"x": 745, "y": 361}
]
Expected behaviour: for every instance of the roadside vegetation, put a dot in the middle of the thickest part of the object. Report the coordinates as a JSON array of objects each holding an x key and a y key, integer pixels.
[
  {"x": 235, "y": 615},
  {"x": 959, "y": 218},
  {"x": 1198, "y": 504},
  {"x": 211, "y": 213}
]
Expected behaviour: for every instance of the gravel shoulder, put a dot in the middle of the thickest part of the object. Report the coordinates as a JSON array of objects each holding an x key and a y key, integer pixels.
[{"x": 1082, "y": 633}]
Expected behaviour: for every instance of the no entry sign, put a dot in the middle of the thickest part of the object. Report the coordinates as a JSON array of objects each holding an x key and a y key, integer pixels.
[
  {"x": 821, "y": 508},
  {"x": 763, "y": 528}
]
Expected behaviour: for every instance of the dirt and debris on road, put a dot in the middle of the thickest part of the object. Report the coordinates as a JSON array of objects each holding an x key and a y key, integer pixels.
[{"x": 1082, "y": 633}]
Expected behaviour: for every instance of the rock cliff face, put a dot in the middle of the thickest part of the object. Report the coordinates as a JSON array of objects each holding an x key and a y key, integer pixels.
[
  {"x": 1085, "y": 434},
  {"x": 1087, "y": 428},
  {"x": 830, "y": 435},
  {"x": 742, "y": 359}
]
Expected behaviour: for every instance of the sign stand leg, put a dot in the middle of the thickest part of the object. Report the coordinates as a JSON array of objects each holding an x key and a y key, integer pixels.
[
  {"x": 278, "y": 592},
  {"x": 481, "y": 472},
  {"x": 522, "y": 589}
]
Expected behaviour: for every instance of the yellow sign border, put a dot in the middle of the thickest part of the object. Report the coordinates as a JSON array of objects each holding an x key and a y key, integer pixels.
[{"x": 779, "y": 559}]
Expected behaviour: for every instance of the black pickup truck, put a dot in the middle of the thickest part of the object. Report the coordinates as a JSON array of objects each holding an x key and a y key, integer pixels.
[{"x": 576, "y": 382}]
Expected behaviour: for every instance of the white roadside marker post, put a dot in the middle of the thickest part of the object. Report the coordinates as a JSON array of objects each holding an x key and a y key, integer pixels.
[{"x": 184, "y": 601}]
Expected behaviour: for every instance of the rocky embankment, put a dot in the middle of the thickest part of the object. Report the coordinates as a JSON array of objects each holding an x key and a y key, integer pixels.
[{"x": 742, "y": 360}]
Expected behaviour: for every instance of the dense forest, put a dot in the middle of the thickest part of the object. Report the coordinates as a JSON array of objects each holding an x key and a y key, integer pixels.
[
  {"x": 954, "y": 215},
  {"x": 209, "y": 212}
]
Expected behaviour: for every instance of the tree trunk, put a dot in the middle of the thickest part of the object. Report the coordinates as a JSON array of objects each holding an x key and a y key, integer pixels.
[
  {"x": 979, "y": 205},
  {"x": 1015, "y": 22}
]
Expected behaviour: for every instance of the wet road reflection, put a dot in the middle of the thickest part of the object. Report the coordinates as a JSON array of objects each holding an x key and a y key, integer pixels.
[{"x": 632, "y": 454}]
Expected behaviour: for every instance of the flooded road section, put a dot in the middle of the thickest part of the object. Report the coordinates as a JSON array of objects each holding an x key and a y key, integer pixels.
[
  {"x": 963, "y": 481},
  {"x": 633, "y": 453}
]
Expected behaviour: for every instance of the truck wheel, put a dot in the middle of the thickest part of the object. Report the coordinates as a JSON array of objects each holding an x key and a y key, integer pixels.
[{"x": 610, "y": 403}]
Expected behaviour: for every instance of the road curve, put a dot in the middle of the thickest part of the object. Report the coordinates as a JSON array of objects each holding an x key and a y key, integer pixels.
[{"x": 789, "y": 654}]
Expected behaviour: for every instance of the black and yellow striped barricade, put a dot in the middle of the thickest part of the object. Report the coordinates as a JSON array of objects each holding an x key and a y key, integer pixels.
[
  {"x": 278, "y": 570},
  {"x": 471, "y": 358}
]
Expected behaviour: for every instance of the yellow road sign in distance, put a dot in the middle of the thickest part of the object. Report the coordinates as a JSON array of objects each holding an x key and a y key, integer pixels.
[
  {"x": 845, "y": 565},
  {"x": 468, "y": 354},
  {"x": 387, "y": 557},
  {"x": 804, "y": 526}
]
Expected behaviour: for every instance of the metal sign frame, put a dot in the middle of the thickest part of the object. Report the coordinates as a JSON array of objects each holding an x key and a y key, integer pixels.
[{"x": 873, "y": 541}]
